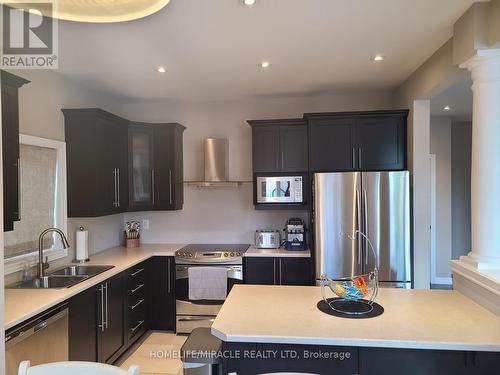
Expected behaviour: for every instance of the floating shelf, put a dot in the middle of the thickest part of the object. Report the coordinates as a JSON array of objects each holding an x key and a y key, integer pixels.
[{"x": 216, "y": 184}]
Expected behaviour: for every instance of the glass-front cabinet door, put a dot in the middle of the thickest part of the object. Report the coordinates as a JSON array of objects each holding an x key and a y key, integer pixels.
[{"x": 141, "y": 167}]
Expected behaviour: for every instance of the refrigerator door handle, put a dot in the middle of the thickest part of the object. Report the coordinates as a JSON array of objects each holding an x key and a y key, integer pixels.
[
  {"x": 358, "y": 224},
  {"x": 365, "y": 210}
]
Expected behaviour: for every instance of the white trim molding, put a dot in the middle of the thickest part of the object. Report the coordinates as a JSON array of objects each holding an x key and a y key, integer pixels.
[
  {"x": 16, "y": 263},
  {"x": 482, "y": 286}
]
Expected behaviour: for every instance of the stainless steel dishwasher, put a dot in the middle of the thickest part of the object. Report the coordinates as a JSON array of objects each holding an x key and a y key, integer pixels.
[{"x": 42, "y": 339}]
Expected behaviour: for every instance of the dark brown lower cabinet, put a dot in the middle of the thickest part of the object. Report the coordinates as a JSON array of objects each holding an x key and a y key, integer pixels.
[
  {"x": 105, "y": 320},
  {"x": 378, "y": 361},
  {"x": 96, "y": 321},
  {"x": 82, "y": 323},
  {"x": 111, "y": 318},
  {"x": 277, "y": 271},
  {"x": 253, "y": 358},
  {"x": 138, "y": 301},
  {"x": 163, "y": 294}
]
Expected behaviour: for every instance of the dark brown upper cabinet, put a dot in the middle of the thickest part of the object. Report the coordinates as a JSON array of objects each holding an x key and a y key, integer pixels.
[
  {"x": 96, "y": 156},
  {"x": 155, "y": 166},
  {"x": 365, "y": 141},
  {"x": 10, "y": 147},
  {"x": 279, "y": 146}
]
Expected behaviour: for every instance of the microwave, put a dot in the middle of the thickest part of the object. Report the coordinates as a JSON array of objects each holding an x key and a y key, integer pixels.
[{"x": 280, "y": 189}]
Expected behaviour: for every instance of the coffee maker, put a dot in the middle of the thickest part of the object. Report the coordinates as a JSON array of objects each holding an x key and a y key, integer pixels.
[{"x": 295, "y": 234}]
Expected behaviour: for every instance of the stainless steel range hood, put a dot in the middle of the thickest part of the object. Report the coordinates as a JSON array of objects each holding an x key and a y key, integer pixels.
[
  {"x": 216, "y": 165},
  {"x": 216, "y": 160}
]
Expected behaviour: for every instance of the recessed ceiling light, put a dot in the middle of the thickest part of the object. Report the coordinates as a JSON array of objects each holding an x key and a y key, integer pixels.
[
  {"x": 265, "y": 64},
  {"x": 102, "y": 11},
  {"x": 378, "y": 58},
  {"x": 161, "y": 69},
  {"x": 248, "y": 2},
  {"x": 447, "y": 108}
]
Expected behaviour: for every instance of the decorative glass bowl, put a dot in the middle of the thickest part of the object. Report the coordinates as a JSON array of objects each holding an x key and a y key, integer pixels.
[
  {"x": 356, "y": 294},
  {"x": 355, "y": 288}
]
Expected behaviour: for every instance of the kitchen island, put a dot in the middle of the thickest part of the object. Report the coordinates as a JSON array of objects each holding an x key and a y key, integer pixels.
[{"x": 420, "y": 332}]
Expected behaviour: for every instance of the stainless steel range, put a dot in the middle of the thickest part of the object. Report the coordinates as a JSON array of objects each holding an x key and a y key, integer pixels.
[{"x": 202, "y": 312}]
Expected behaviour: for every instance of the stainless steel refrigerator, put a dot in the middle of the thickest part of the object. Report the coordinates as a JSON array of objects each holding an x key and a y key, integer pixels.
[{"x": 378, "y": 205}]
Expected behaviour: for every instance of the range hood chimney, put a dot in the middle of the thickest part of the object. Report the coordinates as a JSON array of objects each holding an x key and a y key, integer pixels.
[{"x": 216, "y": 160}]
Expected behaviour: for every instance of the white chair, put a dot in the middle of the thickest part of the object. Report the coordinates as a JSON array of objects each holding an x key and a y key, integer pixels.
[{"x": 74, "y": 368}]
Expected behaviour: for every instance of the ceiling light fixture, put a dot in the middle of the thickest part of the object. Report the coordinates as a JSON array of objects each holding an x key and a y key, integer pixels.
[
  {"x": 378, "y": 58},
  {"x": 161, "y": 69},
  {"x": 248, "y": 2},
  {"x": 264, "y": 64},
  {"x": 102, "y": 11},
  {"x": 447, "y": 108}
]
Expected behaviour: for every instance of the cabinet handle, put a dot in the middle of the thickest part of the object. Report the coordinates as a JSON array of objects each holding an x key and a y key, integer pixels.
[
  {"x": 136, "y": 288},
  {"x": 137, "y": 272},
  {"x": 274, "y": 271},
  {"x": 365, "y": 209},
  {"x": 137, "y": 304},
  {"x": 106, "y": 322},
  {"x": 168, "y": 276},
  {"x": 170, "y": 184},
  {"x": 114, "y": 187},
  {"x": 153, "y": 186},
  {"x": 280, "y": 272},
  {"x": 353, "y": 157},
  {"x": 359, "y": 157},
  {"x": 118, "y": 186},
  {"x": 101, "y": 291},
  {"x": 190, "y": 319},
  {"x": 17, "y": 214},
  {"x": 282, "y": 159},
  {"x": 139, "y": 323}
]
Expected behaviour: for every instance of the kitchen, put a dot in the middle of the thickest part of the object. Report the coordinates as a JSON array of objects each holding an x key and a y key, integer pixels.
[{"x": 177, "y": 203}]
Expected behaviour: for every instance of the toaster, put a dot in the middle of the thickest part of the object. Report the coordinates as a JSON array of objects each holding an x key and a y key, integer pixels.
[{"x": 267, "y": 239}]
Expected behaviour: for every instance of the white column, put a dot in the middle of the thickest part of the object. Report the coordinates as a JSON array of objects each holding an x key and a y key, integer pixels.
[
  {"x": 485, "y": 179},
  {"x": 421, "y": 121}
]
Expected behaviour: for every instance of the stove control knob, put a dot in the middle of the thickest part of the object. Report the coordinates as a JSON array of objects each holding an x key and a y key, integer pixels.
[
  {"x": 232, "y": 254},
  {"x": 238, "y": 254},
  {"x": 225, "y": 254},
  {"x": 190, "y": 255}
]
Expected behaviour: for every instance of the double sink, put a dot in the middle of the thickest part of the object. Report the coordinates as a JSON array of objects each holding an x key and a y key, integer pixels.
[{"x": 64, "y": 278}]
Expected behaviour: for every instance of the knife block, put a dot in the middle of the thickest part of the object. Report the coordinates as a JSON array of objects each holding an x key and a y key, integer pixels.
[{"x": 131, "y": 242}]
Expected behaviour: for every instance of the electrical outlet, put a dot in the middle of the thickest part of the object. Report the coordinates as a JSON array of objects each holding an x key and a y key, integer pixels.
[{"x": 145, "y": 224}]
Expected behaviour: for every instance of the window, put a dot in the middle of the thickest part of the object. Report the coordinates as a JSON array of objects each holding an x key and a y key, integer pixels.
[{"x": 42, "y": 199}]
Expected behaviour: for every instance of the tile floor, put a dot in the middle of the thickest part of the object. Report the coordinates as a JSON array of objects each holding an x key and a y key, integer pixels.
[{"x": 158, "y": 354}]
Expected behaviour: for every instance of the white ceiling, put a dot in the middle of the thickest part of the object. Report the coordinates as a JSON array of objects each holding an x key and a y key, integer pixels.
[
  {"x": 211, "y": 48},
  {"x": 458, "y": 97}
]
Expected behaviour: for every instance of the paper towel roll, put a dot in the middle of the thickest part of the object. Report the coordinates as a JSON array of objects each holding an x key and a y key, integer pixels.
[{"x": 82, "y": 245}]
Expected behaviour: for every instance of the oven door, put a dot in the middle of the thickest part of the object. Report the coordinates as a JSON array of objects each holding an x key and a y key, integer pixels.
[{"x": 185, "y": 306}]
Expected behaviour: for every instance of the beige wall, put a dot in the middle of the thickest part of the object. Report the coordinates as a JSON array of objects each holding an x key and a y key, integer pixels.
[
  {"x": 441, "y": 147},
  {"x": 461, "y": 148},
  {"x": 228, "y": 215},
  {"x": 471, "y": 32},
  {"x": 40, "y": 115},
  {"x": 435, "y": 75},
  {"x": 209, "y": 215},
  {"x": 494, "y": 30}
]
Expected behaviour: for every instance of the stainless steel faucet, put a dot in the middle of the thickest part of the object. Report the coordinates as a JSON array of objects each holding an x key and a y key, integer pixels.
[{"x": 42, "y": 266}]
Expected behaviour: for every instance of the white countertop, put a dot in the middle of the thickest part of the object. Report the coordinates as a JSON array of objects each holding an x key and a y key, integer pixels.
[
  {"x": 255, "y": 252},
  {"x": 418, "y": 319},
  {"x": 22, "y": 304}
]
